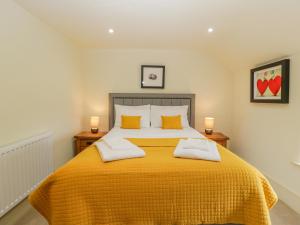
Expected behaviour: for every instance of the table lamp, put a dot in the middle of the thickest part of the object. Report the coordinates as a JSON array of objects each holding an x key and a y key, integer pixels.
[
  {"x": 94, "y": 122},
  {"x": 209, "y": 124}
]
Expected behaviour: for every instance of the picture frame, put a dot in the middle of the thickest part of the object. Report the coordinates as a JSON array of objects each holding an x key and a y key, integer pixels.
[
  {"x": 152, "y": 76},
  {"x": 270, "y": 83}
]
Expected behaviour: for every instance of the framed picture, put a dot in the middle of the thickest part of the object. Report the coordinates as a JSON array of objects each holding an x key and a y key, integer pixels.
[
  {"x": 270, "y": 83},
  {"x": 152, "y": 76}
]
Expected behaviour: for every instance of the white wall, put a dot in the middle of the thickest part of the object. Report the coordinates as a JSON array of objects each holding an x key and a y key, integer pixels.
[
  {"x": 39, "y": 81},
  {"x": 268, "y": 135},
  {"x": 186, "y": 72}
]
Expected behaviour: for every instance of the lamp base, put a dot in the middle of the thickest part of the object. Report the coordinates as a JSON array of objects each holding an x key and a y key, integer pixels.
[
  {"x": 94, "y": 130},
  {"x": 208, "y": 131}
]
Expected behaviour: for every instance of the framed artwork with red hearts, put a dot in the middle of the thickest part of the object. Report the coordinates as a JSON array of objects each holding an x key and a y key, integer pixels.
[{"x": 270, "y": 83}]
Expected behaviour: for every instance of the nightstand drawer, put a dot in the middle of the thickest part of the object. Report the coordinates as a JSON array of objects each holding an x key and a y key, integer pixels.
[
  {"x": 85, "y": 139},
  {"x": 86, "y": 143}
]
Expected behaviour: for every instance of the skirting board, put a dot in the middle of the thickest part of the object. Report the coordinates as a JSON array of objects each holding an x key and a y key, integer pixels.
[{"x": 287, "y": 196}]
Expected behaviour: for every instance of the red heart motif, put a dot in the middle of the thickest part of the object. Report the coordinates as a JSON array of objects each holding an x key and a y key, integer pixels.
[
  {"x": 275, "y": 85},
  {"x": 262, "y": 86}
]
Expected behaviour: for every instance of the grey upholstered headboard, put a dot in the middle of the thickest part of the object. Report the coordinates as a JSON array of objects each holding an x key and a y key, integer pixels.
[{"x": 152, "y": 99}]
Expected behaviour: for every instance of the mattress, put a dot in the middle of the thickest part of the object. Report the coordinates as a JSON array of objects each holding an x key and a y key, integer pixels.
[{"x": 157, "y": 189}]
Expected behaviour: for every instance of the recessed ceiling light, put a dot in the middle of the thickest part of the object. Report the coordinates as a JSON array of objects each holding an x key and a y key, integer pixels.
[
  {"x": 210, "y": 30},
  {"x": 111, "y": 31}
]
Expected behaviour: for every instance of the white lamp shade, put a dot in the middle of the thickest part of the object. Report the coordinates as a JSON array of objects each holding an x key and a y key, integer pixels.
[
  {"x": 209, "y": 122},
  {"x": 94, "y": 122}
]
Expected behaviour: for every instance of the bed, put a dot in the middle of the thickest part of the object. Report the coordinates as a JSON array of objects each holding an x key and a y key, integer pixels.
[{"x": 157, "y": 189}]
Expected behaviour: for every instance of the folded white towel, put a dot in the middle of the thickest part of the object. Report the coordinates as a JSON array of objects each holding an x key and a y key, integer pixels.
[
  {"x": 116, "y": 143},
  {"x": 107, "y": 154},
  {"x": 210, "y": 151},
  {"x": 200, "y": 144}
]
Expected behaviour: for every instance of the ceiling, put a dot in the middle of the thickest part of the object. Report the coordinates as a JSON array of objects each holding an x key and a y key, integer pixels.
[{"x": 247, "y": 32}]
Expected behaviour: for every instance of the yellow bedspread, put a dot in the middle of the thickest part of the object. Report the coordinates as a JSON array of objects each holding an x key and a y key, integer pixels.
[{"x": 156, "y": 190}]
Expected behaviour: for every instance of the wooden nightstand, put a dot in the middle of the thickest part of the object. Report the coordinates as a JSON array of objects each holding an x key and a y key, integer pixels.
[
  {"x": 217, "y": 137},
  {"x": 85, "y": 139}
]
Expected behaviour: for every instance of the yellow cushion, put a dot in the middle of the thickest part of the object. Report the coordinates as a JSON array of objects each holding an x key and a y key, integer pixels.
[
  {"x": 131, "y": 122},
  {"x": 171, "y": 122}
]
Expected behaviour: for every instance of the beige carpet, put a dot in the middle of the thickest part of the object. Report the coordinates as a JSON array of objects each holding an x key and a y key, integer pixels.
[{"x": 24, "y": 214}]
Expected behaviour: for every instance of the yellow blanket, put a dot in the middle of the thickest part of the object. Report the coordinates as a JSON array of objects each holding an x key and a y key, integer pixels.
[{"x": 156, "y": 190}]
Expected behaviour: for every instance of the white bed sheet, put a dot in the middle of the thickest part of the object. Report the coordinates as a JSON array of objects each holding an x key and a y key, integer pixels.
[{"x": 117, "y": 132}]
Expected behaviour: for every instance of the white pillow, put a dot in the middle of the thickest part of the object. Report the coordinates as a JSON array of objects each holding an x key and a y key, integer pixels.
[
  {"x": 157, "y": 111},
  {"x": 141, "y": 110}
]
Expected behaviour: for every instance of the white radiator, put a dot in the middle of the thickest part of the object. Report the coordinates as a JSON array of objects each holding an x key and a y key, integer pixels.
[{"x": 23, "y": 166}]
